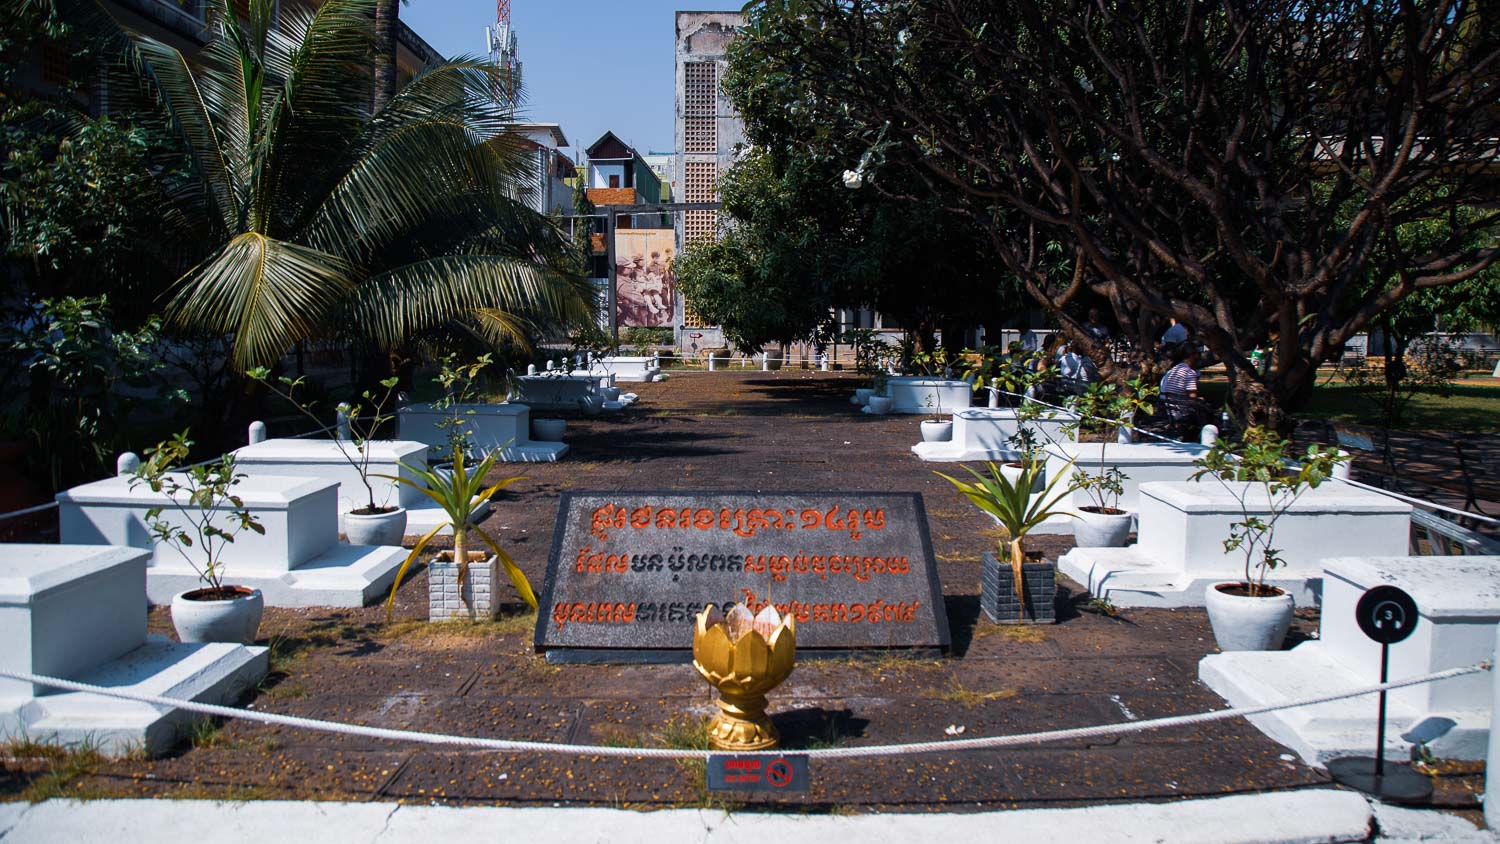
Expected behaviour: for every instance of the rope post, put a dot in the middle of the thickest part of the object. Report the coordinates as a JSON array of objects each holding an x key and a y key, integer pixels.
[
  {"x": 1492, "y": 758},
  {"x": 341, "y": 422},
  {"x": 710, "y": 362},
  {"x": 257, "y": 433},
  {"x": 823, "y": 362},
  {"x": 1124, "y": 435},
  {"x": 1341, "y": 470},
  {"x": 127, "y": 464},
  {"x": 994, "y": 393},
  {"x": 530, "y": 369},
  {"x": 765, "y": 361},
  {"x": 1209, "y": 435}
]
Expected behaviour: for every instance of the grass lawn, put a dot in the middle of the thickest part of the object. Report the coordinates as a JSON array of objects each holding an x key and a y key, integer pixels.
[{"x": 1472, "y": 405}]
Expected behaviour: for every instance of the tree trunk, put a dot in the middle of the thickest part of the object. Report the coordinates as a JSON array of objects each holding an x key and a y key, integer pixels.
[
  {"x": 387, "y": 23},
  {"x": 1017, "y": 560}
]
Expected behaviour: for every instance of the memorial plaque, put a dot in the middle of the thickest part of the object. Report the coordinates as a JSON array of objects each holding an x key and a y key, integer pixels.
[{"x": 630, "y": 570}]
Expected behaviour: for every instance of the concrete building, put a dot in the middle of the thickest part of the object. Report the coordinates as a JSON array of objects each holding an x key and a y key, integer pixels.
[
  {"x": 550, "y": 193},
  {"x": 708, "y": 132}
]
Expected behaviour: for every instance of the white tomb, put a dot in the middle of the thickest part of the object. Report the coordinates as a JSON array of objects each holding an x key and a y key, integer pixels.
[
  {"x": 504, "y": 427},
  {"x": 910, "y": 394},
  {"x": 984, "y": 433},
  {"x": 1458, "y": 599},
  {"x": 297, "y": 562},
  {"x": 322, "y": 459},
  {"x": 635, "y": 368},
  {"x": 1180, "y": 548},
  {"x": 79, "y": 613},
  {"x": 569, "y": 392}
]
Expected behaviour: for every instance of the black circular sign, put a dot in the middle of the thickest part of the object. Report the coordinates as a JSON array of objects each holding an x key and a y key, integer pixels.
[{"x": 1386, "y": 614}]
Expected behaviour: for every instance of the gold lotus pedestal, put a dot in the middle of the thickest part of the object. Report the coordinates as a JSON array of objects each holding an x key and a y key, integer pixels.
[{"x": 743, "y": 656}]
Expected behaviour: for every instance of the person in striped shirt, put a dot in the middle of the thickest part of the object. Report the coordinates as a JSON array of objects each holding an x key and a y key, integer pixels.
[{"x": 1182, "y": 379}]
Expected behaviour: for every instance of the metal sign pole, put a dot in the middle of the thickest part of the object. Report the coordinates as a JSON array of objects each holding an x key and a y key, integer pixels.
[{"x": 609, "y": 246}]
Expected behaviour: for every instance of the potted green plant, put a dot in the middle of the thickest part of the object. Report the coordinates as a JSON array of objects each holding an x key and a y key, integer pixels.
[
  {"x": 1018, "y": 511},
  {"x": 869, "y": 360},
  {"x": 203, "y": 496},
  {"x": 452, "y": 588},
  {"x": 1106, "y": 408},
  {"x": 458, "y": 382},
  {"x": 370, "y": 523},
  {"x": 1251, "y": 615}
]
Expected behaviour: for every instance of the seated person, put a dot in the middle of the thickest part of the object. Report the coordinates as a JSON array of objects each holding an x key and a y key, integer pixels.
[
  {"x": 1074, "y": 369},
  {"x": 1181, "y": 381}
]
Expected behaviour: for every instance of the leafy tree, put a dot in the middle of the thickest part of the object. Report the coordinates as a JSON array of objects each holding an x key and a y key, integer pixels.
[
  {"x": 80, "y": 196},
  {"x": 1240, "y": 167},
  {"x": 399, "y": 223}
]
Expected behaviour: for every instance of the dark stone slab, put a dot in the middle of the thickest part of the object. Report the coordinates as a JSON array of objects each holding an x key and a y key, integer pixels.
[{"x": 625, "y": 577}]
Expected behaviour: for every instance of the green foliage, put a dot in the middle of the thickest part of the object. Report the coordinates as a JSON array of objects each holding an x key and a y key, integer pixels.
[
  {"x": 872, "y": 355},
  {"x": 1260, "y": 476},
  {"x": 1106, "y": 408},
  {"x": 460, "y": 385},
  {"x": 77, "y": 385},
  {"x": 642, "y": 340},
  {"x": 362, "y": 428},
  {"x": 1430, "y": 366},
  {"x": 203, "y": 495},
  {"x": 1014, "y": 506},
  {"x": 459, "y": 493},
  {"x": 398, "y": 224}
]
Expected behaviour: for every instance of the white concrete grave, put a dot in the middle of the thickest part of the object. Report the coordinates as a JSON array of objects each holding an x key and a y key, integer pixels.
[
  {"x": 79, "y": 613},
  {"x": 911, "y": 394},
  {"x": 504, "y": 427},
  {"x": 1140, "y": 462},
  {"x": 568, "y": 392},
  {"x": 1180, "y": 548},
  {"x": 297, "y": 562},
  {"x": 309, "y": 458},
  {"x": 634, "y": 368},
  {"x": 1458, "y": 599},
  {"x": 322, "y": 459},
  {"x": 984, "y": 433}
]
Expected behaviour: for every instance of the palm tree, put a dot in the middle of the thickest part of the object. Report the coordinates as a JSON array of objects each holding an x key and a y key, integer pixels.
[{"x": 399, "y": 222}]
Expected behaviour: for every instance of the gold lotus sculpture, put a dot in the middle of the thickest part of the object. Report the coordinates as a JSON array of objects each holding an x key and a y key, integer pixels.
[{"x": 743, "y": 656}]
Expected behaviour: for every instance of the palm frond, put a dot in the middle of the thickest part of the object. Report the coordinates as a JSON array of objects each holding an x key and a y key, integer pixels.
[
  {"x": 411, "y": 299},
  {"x": 267, "y": 293}
]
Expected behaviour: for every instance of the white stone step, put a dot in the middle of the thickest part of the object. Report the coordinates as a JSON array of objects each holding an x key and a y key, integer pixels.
[
  {"x": 1338, "y": 728},
  {"x": 345, "y": 576},
  {"x": 207, "y": 673}
]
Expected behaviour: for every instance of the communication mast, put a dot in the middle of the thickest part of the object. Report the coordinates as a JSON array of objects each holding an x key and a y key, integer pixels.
[{"x": 501, "y": 44}]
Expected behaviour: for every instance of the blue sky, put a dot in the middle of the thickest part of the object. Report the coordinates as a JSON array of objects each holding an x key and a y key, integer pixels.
[{"x": 590, "y": 65}]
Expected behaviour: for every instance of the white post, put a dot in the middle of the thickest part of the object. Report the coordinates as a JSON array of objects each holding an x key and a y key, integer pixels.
[
  {"x": 1492, "y": 766},
  {"x": 551, "y": 364},
  {"x": 257, "y": 432},
  {"x": 1209, "y": 435},
  {"x": 530, "y": 369},
  {"x": 710, "y": 362},
  {"x": 765, "y": 361},
  {"x": 127, "y": 463},
  {"x": 1123, "y": 434},
  {"x": 994, "y": 392},
  {"x": 578, "y": 361},
  {"x": 341, "y": 422},
  {"x": 1341, "y": 470},
  {"x": 823, "y": 362}
]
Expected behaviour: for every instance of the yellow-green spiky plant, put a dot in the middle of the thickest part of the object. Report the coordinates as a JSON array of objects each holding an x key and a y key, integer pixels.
[{"x": 459, "y": 495}]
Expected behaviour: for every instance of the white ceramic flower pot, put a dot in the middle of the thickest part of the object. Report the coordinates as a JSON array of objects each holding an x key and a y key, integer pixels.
[
  {"x": 548, "y": 430},
  {"x": 862, "y": 396},
  {"x": 232, "y": 620},
  {"x": 1101, "y": 530},
  {"x": 936, "y": 432},
  {"x": 377, "y": 528},
  {"x": 1012, "y": 472},
  {"x": 1243, "y": 623},
  {"x": 879, "y": 405}
]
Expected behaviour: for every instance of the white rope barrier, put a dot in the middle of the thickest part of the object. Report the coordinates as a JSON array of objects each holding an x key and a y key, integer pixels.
[
  {"x": 989, "y": 743},
  {"x": 16, "y": 514}
]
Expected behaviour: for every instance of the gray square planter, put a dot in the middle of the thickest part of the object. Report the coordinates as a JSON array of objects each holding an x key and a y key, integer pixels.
[
  {"x": 476, "y": 600},
  {"x": 997, "y": 592}
]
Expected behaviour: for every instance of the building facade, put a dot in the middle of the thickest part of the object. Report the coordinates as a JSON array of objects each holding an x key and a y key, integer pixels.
[
  {"x": 708, "y": 133},
  {"x": 550, "y": 191}
]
